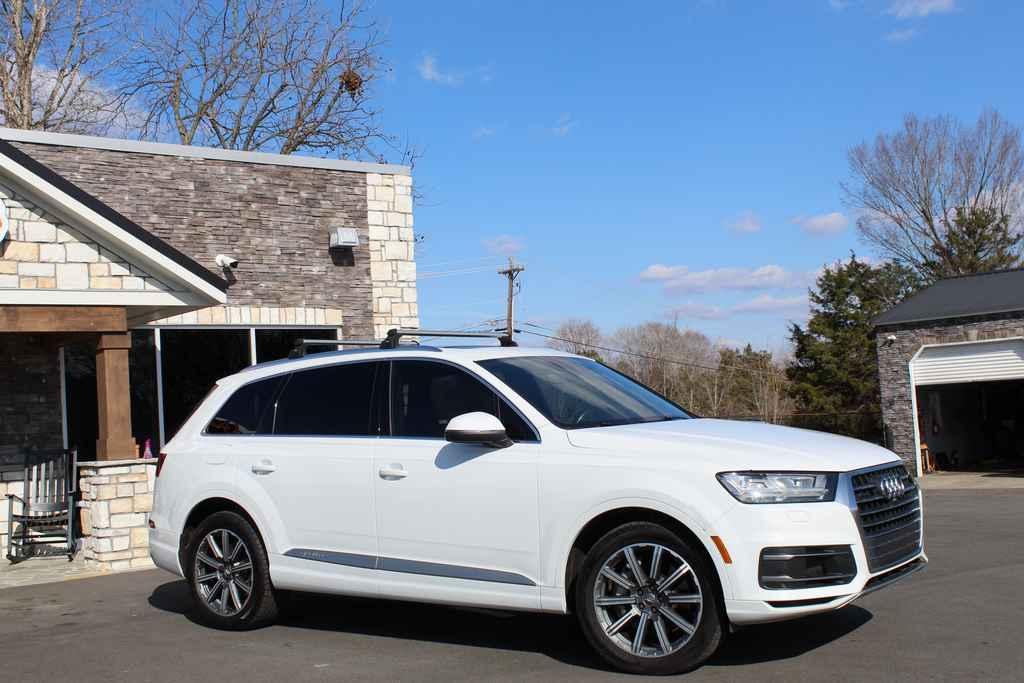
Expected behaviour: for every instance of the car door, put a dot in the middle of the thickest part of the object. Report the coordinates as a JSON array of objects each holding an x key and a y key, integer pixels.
[
  {"x": 312, "y": 470},
  {"x": 455, "y": 521}
]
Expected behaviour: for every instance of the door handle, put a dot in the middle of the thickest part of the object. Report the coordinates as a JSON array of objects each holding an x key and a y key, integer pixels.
[
  {"x": 264, "y": 467},
  {"x": 392, "y": 472}
]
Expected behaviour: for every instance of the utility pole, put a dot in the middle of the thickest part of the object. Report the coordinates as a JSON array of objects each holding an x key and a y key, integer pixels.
[{"x": 512, "y": 272}]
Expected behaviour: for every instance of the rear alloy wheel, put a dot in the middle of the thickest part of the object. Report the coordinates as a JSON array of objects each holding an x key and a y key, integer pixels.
[
  {"x": 229, "y": 574},
  {"x": 646, "y": 601}
]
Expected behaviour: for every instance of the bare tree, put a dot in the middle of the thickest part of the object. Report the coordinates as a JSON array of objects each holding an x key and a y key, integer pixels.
[
  {"x": 55, "y": 57},
  {"x": 935, "y": 177},
  {"x": 271, "y": 75},
  {"x": 578, "y": 336}
]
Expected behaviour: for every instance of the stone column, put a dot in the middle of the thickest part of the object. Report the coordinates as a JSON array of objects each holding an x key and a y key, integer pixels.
[
  {"x": 113, "y": 395},
  {"x": 116, "y": 499}
]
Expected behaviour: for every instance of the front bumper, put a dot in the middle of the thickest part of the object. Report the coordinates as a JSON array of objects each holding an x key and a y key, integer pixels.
[
  {"x": 746, "y": 530},
  {"x": 743, "y": 612}
]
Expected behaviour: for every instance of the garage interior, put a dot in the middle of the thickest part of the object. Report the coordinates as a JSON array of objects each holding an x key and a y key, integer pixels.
[{"x": 973, "y": 427}]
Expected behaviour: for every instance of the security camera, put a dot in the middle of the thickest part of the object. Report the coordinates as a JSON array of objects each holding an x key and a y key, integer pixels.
[{"x": 225, "y": 261}]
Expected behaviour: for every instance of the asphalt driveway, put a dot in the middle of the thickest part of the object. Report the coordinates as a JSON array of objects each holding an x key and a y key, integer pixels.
[{"x": 961, "y": 619}]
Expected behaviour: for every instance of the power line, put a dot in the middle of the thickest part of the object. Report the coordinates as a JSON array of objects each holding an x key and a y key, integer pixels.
[{"x": 645, "y": 356}]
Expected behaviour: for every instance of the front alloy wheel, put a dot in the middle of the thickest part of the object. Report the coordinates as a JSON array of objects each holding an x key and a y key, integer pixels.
[{"x": 646, "y": 601}]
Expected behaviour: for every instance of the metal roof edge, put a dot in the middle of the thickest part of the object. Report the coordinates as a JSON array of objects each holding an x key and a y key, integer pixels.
[{"x": 168, "y": 149}]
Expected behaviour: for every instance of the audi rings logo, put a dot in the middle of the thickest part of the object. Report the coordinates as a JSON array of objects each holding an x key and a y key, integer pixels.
[{"x": 891, "y": 485}]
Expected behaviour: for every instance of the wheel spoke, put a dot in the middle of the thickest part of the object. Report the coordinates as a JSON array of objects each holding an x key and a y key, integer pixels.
[
  {"x": 211, "y": 596},
  {"x": 684, "y": 625},
  {"x": 641, "y": 631},
  {"x": 674, "y": 576},
  {"x": 206, "y": 577},
  {"x": 634, "y": 566},
  {"x": 656, "y": 562},
  {"x": 612, "y": 600},
  {"x": 246, "y": 587},
  {"x": 241, "y": 566},
  {"x": 623, "y": 620},
  {"x": 615, "y": 577},
  {"x": 234, "y": 553},
  {"x": 235, "y": 599},
  {"x": 681, "y": 599},
  {"x": 207, "y": 560},
  {"x": 212, "y": 544},
  {"x": 225, "y": 542},
  {"x": 663, "y": 640}
]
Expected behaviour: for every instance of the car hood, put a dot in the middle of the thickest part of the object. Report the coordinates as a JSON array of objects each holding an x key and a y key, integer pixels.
[{"x": 736, "y": 445}]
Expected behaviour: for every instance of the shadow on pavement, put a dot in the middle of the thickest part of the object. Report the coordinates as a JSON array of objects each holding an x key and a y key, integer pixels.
[{"x": 553, "y": 635}]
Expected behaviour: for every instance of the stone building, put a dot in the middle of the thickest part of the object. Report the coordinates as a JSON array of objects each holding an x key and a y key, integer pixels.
[
  {"x": 117, "y": 311},
  {"x": 951, "y": 370}
]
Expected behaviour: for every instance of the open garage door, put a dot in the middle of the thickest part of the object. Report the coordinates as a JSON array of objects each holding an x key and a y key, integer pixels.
[
  {"x": 985, "y": 361},
  {"x": 969, "y": 400}
]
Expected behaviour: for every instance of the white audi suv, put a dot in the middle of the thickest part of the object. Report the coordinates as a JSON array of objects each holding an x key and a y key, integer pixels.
[{"x": 522, "y": 479}]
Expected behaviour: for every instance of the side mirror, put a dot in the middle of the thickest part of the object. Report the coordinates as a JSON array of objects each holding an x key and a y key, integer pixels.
[{"x": 480, "y": 428}]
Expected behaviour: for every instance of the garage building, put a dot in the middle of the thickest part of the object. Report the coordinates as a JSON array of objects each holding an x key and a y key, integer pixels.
[{"x": 951, "y": 370}]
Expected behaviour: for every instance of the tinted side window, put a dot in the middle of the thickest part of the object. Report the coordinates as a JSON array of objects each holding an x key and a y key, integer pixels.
[
  {"x": 336, "y": 400},
  {"x": 248, "y": 411},
  {"x": 426, "y": 395}
]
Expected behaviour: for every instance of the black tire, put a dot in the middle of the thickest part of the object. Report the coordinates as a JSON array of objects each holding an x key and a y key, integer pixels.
[
  {"x": 259, "y": 608},
  {"x": 708, "y": 632}
]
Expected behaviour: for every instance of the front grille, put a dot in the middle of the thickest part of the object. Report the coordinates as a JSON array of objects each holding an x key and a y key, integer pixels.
[{"x": 890, "y": 526}]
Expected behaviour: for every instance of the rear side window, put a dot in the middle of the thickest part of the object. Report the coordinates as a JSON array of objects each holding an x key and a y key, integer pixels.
[
  {"x": 335, "y": 400},
  {"x": 250, "y": 410},
  {"x": 425, "y": 396}
]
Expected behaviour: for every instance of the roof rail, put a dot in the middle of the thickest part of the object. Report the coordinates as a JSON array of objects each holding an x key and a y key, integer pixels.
[
  {"x": 395, "y": 335},
  {"x": 301, "y": 345}
]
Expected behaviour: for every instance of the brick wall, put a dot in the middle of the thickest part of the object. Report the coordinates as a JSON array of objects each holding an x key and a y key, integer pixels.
[
  {"x": 275, "y": 219},
  {"x": 894, "y": 365},
  {"x": 29, "y": 391}
]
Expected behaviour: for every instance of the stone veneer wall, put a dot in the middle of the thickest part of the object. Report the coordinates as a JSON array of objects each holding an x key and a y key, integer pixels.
[
  {"x": 392, "y": 258},
  {"x": 116, "y": 498},
  {"x": 894, "y": 366},
  {"x": 42, "y": 253},
  {"x": 275, "y": 219}
]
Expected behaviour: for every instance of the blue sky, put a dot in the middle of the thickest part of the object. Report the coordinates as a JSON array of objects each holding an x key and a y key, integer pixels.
[{"x": 665, "y": 160}]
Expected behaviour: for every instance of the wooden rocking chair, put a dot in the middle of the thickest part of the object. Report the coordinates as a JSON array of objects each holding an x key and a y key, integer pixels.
[{"x": 41, "y": 522}]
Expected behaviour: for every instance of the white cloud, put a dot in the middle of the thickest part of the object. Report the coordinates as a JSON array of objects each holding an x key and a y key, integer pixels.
[
  {"x": 910, "y": 9},
  {"x": 564, "y": 126},
  {"x": 746, "y": 222},
  {"x": 506, "y": 245},
  {"x": 901, "y": 36},
  {"x": 680, "y": 279},
  {"x": 700, "y": 311},
  {"x": 429, "y": 70},
  {"x": 481, "y": 132},
  {"x": 823, "y": 224},
  {"x": 761, "y": 305},
  {"x": 770, "y": 304}
]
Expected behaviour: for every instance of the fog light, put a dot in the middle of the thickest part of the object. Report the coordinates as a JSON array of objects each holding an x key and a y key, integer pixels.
[{"x": 806, "y": 567}]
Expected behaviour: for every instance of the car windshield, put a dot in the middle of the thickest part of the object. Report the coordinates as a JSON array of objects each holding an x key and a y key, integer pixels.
[{"x": 576, "y": 393}]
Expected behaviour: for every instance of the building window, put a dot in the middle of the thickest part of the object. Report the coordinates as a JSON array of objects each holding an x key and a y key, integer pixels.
[
  {"x": 193, "y": 360},
  {"x": 277, "y": 344}
]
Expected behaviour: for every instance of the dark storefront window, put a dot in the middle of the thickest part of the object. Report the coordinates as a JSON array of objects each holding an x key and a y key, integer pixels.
[
  {"x": 80, "y": 387},
  {"x": 192, "y": 361},
  {"x": 142, "y": 379},
  {"x": 277, "y": 344}
]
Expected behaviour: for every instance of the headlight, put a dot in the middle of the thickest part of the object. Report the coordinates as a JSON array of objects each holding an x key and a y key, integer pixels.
[{"x": 780, "y": 487}]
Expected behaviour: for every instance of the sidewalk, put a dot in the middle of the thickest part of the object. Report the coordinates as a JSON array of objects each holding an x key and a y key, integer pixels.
[
  {"x": 937, "y": 481},
  {"x": 44, "y": 570}
]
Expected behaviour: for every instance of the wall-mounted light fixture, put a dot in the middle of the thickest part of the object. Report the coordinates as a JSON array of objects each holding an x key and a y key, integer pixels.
[{"x": 344, "y": 238}]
